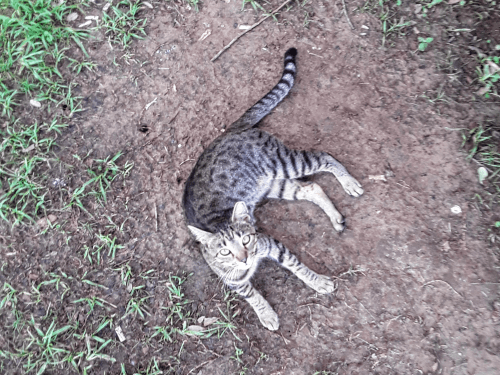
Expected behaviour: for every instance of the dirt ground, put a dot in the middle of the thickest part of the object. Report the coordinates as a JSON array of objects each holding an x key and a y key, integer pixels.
[{"x": 417, "y": 282}]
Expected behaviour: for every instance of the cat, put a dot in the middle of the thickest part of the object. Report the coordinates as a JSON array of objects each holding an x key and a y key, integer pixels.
[{"x": 237, "y": 171}]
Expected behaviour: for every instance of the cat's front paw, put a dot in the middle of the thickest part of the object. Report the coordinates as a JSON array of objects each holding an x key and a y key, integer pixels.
[
  {"x": 323, "y": 285},
  {"x": 351, "y": 185},
  {"x": 269, "y": 319}
]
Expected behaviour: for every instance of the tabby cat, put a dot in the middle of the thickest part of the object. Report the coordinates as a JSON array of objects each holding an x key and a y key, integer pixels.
[{"x": 240, "y": 169}]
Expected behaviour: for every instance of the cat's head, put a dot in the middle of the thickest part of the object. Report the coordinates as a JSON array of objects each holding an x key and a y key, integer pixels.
[{"x": 232, "y": 248}]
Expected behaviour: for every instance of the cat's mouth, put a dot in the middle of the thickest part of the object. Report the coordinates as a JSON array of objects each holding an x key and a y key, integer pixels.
[{"x": 247, "y": 265}]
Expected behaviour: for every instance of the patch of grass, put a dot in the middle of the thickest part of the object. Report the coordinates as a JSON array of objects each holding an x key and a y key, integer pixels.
[
  {"x": 489, "y": 74},
  {"x": 22, "y": 150},
  {"x": 33, "y": 41},
  {"x": 386, "y": 10},
  {"x": 122, "y": 23},
  {"x": 42, "y": 350},
  {"x": 483, "y": 142},
  {"x": 255, "y": 5},
  {"x": 101, "y": 175}
]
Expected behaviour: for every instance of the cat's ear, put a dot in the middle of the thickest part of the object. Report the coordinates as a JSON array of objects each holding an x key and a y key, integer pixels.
[
  {"x": 201, "y": 235},
  {"x": 240, "y": 213}
]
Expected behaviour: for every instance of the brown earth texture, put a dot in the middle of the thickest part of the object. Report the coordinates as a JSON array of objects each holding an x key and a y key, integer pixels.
[{"x": 416, "y": 272}]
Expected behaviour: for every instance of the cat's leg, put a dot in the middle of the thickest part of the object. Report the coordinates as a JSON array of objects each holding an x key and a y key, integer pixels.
[
  {"x": 293, "y": 190},
  {"x": 276, "y": 251},
  {"x": 262, "y": 308},
  {"x": 297, "y": 164}
]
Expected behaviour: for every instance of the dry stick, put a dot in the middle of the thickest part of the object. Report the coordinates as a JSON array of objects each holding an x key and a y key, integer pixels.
[
  {"x": 246, "y": 31},
  {"x": 346, "y": 16}
]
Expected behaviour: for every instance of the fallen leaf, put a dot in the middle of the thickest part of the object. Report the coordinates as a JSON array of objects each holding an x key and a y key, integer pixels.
[
  {"x": 483, "y": 90},
  {"x": 42, "y": 223},
  {"x": 451, "y": 2},
  {"x": 52, "y": 218},
  {"x": 493, "y": 67},
  {"x": 147, "y": 4},
  {"x": 94, "y": 18},
  {"x": 72, "y": 16},
  {"x": 194, "y": 329},
  {"x": 29, "y": 148},
  {"x": 106, "y": 7},
  {"x": 209, "y": 321},
  {"x": 200, "y": 319}
]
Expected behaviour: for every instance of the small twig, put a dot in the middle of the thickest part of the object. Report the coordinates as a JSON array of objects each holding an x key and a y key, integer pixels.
[
  {"x": 201, "y": 365},
  {"x": 346, "y": 16},
  {"x": 185, "y": 161},
  {"x": 442, "y": 281},
  {"x": 250, "y": 29},
  {"x": 156, "y": 218}
]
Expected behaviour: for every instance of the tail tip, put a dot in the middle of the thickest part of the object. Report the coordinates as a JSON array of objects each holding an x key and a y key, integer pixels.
[{"x": 292, "y": 52}]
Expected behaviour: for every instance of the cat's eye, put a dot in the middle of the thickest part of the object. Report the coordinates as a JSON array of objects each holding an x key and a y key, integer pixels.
[
  {"x": 225, "y": 252},
  {"x": 246, "y": 239}
]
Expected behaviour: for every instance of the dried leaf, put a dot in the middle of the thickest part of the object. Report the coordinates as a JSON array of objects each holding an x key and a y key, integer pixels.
[
  {"x": 147, "y": 4},
  {"x": 483, "y": 90},
  {"x": 29, "y": 148},
  {"x": 106, "y": 7},
  {"x": 209, "y": 321},
  {"x": 451, "y": 2},
  {"x": 493, "y": 67}
]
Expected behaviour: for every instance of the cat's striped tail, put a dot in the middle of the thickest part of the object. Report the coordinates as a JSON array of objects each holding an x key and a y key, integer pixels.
[{"x": 265, "y": 105}]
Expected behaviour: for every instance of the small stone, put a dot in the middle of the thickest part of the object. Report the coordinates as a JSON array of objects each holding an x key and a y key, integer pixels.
[
  {"x": 72, "y": 16},
  {"x": 456, "y": 210},
  {"x": 35, "y": 103}
]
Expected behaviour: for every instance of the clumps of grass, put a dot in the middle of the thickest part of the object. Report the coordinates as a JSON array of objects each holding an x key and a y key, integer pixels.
[
  {"x": 122, "y": 23},
  {"x": 255, "y": 5},
  {"x": 23, "y": 149},
  {"x": 387, "y": 11},
  {"x": 102, "y": 173},
  {"x": 484, "y": 149},
  {"x": 33, "y": 41},
  {"x": 489, "y": 74}
]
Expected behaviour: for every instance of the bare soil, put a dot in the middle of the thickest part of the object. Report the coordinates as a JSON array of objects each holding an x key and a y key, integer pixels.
[{"x": 418, "y": 285}]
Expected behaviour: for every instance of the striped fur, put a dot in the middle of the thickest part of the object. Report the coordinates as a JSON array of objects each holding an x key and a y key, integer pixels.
[{"x": 233, "y": 175}]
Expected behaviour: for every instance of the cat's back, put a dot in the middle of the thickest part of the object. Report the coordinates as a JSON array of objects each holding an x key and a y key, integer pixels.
[{"x": 230, "y": 169}]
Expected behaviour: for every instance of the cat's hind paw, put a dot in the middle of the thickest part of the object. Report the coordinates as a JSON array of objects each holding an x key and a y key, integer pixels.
[
  {"x": 269, "y": 319},
  {"x": 351, "y": 185},
  {"x": 323, "y": 285}
]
